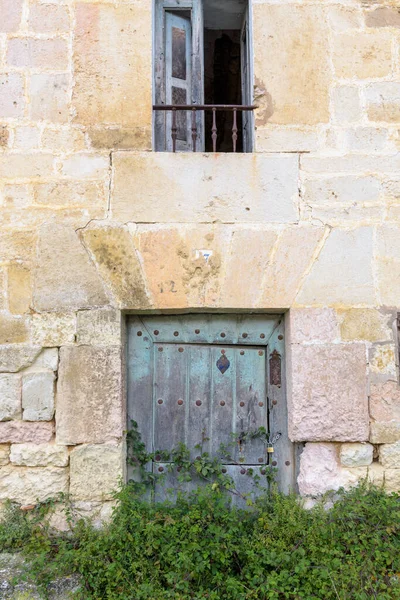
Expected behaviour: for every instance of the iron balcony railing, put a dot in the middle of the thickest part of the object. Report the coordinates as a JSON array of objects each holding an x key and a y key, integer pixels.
[{"x": 194, "y": 108}]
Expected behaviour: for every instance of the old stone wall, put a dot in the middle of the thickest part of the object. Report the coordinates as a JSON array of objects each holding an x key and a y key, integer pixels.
[{"x": 94, "y": 224}]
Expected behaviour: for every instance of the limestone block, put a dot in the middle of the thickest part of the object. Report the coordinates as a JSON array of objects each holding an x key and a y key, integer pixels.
[
  {"x": 4, "y": 136},
  {"x": 71, "y": 193},
  {"x": 15, "y": 358},
  {"x": 89, "y": 385},
  {"x": 99, "y": 327},
  {"x": 38, "y": 396},
  {"x": 356, "y": 455},
  {"x": 85, "y": 165},
  {"x": 3, "y": 298},
  {"x": 384, "y": 402},
  {"x": 320, "y": 470},
  {"x": 342, "y": 18},
  {"x": 376, "y": 474},
  {"x": 95, "y": 471},
  {"x": 388, "y": 264},
  {"x": 19, "y": 288},
  {"x": 47, "y": 359},
  {"x": 302, "y": 95},
  {"x": 362, "y": 54},
  {"x": 328, "y": 393},
  {"x": 392, "y": 481},
  {"x": 347, "y": 188},
  {"x": 65, "y": 278},
  {"x": 312, "y": 325},
  {"x": 11, "y": 11},
  {"x": 383, "y": 16},
  {"x": 114, "y": 253},
  {"x": 342, "y": 274},
  {"x": 53, "y": 329},
  {"x": 4, "y": 454},
  {"x": 39, "y": 455},
  {"x": 283, "y": 275},
  {"x": 389, "y": 455},
  {"x": 34, "y": 53},
  {"x": 12, "y": 96},
  {"x": 217, "y": 187},
  {"x": 49, "y": 95},
  {"x": 382, "y": 359},
  {"x": 385, "y": 432},
  {"x": 13, "y": 330},
  {"x": 364, "y": 324},
  {"x": 17, "y": 245},
  {"x": 367, "y": 139},
  {"x": 32, "y": 485},
  {"x": 26, "y": 166},
  {"x": 10, "y": 397},
  {"x": 26, "y": 138},
  {"x": 351, "y": 163},
  {"x": 247, "y": 267},
  {"x": 138, "y": 138},
  {"x": 64, "y": 140},
  {"x": 48, "y": 18},
  {"x": 113, "y": 64},
  {"x": 286, "y": 139},
  {"x": 19, "y": 432},
  {"x": 17, "y": 196},
  {"x": 383, "y": 101}
]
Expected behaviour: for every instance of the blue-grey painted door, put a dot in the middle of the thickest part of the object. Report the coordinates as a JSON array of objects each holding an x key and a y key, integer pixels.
[{"x": 198, "y": 379}]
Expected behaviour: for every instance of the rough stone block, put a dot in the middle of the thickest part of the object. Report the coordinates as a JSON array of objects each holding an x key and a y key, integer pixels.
[
  {"x": 99, "y": 327},
  {"x": 347, "y": 189},
  {"x": 65, "y": 278},
  {"x": 392, "y": 481},
  {"x": 91, "y": 166},
  {"x": 16, "y": 358},
  {"x": 95, "y": 471},
  {"x": 19, "y": 288},
  {"x": 48, "y": 18},
  {"x": 343, "y": 272},
  {"x": 11, "y": 12},
  {"x": 328, "y": 393},
  {"x": 26, "y": 137},
  {"x": 342, "y": 18},
  {"x": 367, "y": 139},
  {"x": 26, "y": 166},
  {"x": 118, "y": 263},
  {"x": 53, "y": 329},
  {"x": 49, "y": 95},
  {"x": 351, "y": 163},
  {"x": 313, "y": 325},
  {"x": 10, "y": 397},
  {"x": 376, "y": 474},
  {"x": 31, "y": 485},
  {"x": 383, "y": 101},
  {"x": 389, "y": 455},
  {"x": 17, "y": 245},
  {"x": 34, "y": 53},
  {"x": 4, "y": 454},
  {"x": 382, "y": 359},
  {"x": 362, "y": 54},
  {"x": 387, "y": 255},
  {"x": 138, "y": 138},
  {"x": 356, "y": 455},
  {"x": 38, "y": 396},
  {"x": 47, "y": 359},
  {"x": 71, "y": 193},
  {"x": 107, "y": 39},
  {"x": 302, "y": 95},
  {"x": 39, "y": 455},
  {"x": 17, "y": 195},
  {"x": 385, "y": 432},
  {"x": 286, "y": 139},
  {"x": 19, "y": 432},
  {"x": 89, "y": 385},
  {"x": 384, "y": 402},
  {"x": 13, "y": 330},
  {"x": 64, "y": 140},
  {"x": 4, "y": 136},
  {"x": 216, "y": 187},
  {"x": 383, "y": 16},
  {"x": 364, "y": 324}
]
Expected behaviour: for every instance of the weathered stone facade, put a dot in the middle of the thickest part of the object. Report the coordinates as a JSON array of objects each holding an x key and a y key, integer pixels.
[{"x": 94, "y": 224}]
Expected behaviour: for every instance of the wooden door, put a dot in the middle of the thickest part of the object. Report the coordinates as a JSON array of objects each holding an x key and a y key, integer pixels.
[
  {"x": 247, "y": 96},
  {"x": 198, "y": 379}
]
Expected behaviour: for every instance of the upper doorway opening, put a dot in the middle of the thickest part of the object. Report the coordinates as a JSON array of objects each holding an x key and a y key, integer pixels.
[{"x": 202, "y": 61}]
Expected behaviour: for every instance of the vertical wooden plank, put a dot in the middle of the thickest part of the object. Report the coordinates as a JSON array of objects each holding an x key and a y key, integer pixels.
[
  {"x": 244, "y": 483},
  {"x": 223, "y": 401},
  {"x": 283, "y": 457},
  {"x": 169, "y": 396},
  {"x": 199, "y": 398},
  {"x": 251, "y": 400},
  {"x": 198, "y": 67},
  {"x": 159, "y": 117}
]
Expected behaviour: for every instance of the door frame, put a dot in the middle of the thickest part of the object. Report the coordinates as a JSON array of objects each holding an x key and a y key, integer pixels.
[{"x": 285, "y": 452}]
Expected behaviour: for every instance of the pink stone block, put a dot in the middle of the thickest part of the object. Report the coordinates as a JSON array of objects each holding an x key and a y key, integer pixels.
[
  {"x": 18, "y": 432},
  {"x": 313, "y": 325},
  {"x": 328, "y": 393},
  {"x": 384, "y": 402},
  {"x": 10, "y": 15}
]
